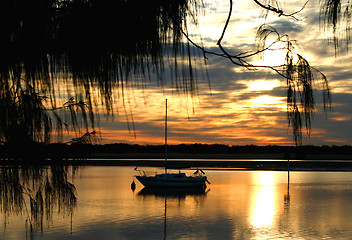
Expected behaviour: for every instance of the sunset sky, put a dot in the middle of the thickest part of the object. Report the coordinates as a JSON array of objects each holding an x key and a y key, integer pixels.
[{"x": 239, "y": 107}]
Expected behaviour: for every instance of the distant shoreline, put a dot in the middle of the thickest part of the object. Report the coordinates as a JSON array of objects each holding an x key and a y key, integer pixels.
[
  {"x": 219, "y": 164},
  {"x": 182, "y": 151},
  {"x": 249, "y": 156},
  {"x": 184, "y": 156}
]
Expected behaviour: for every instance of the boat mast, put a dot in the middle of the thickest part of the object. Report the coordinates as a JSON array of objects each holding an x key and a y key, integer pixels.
[{"x": 165, "y": 135}]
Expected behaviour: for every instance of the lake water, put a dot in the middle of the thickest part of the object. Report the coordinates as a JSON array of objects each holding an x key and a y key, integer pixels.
[{"x": 237, "y": 205}]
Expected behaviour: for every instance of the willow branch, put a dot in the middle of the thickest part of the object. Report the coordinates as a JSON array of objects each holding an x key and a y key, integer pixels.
[
  {"x": 226, "y": 24},
  {"x": 279, "y": 11},
  {"x": 299, "y": 75}
]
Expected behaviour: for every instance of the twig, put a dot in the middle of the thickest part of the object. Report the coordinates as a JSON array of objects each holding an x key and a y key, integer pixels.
[{"x": 279, "y": 11}]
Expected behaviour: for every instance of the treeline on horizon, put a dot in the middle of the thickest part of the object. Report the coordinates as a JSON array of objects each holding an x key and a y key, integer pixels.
[
  {"x": 294, "y": 152},
  {"x": 199, "y": 148},
  {"x": 63, "y": 151}
]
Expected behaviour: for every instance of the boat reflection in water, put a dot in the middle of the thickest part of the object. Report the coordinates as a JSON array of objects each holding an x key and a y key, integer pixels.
[
  {"x": 173, "y": 192},
  {"x": 170, "y": 195}
]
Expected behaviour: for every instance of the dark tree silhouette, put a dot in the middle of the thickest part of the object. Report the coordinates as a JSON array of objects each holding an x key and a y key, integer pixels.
[
  {"x": 95, "y": 46},
  {"x": 85, "y": 45}
]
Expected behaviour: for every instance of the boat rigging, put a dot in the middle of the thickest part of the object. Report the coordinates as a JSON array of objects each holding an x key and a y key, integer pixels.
[{"x": 173, "y": 180}]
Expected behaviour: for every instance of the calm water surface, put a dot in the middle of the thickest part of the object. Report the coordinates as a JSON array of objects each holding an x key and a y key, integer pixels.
[{"x": 237, "y": 205}]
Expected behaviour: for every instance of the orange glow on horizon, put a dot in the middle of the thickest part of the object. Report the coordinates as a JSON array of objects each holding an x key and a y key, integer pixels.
[{"x": 234, "y": 122}]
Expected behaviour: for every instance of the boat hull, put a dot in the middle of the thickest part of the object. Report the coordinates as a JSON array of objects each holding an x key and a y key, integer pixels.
[{"x": 189, "y": 182}]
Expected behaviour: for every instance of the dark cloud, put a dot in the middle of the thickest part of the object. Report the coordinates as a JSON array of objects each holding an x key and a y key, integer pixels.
[
  {"x": 342, "y": 103},
  {"x": 287, "y": 26}
]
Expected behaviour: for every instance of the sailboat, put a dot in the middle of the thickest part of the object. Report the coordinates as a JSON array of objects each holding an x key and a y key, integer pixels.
[{"x": 172, "y": 180}]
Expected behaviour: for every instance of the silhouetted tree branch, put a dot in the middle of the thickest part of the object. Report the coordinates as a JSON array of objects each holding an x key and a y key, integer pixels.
[
  {"x": 278, "y": 10},
  {"x": 336, "y": 15},
  {"x": 296, "y": 70}
]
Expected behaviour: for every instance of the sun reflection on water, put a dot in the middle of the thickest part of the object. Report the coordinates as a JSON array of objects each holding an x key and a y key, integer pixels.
[{"x": 263, "y": 200}]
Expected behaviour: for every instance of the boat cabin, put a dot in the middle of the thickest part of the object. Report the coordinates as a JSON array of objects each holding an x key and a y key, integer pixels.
[{"x": 171, "y": 176}]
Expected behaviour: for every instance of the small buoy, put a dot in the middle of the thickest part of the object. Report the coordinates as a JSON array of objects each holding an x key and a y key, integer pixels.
[{"x": 133, "y": 185}]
